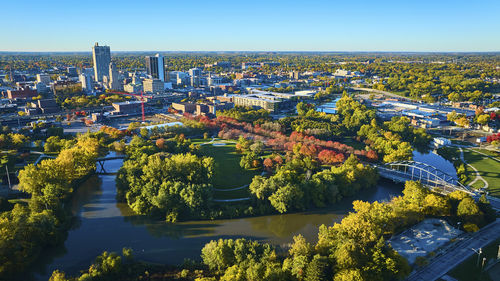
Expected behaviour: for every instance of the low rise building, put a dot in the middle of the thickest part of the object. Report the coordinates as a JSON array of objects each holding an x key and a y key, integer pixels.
[
  {"x": 153, "y": 86},
  {"x": 44, "y": 106},
  {"x": 133, "y": 88},
  {"x": 127, "y": 107},
  {"x": 48, "y": 106},
  {"x": 21, "y": 93},
  {"x": 254, "y": 101},
  {"x": 184, "y": 107}
]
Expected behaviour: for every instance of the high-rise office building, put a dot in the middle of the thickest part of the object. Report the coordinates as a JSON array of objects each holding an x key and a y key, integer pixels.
[
  {"x": 102, "y": 57},
  {"x": 156, "y": 67},
  {"x": 114, "y": 78}
]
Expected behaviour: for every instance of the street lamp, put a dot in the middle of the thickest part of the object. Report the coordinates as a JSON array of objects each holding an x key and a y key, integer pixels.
[
  {"x": 498, "y": 254},
  {"x": 478, "y": 252}
]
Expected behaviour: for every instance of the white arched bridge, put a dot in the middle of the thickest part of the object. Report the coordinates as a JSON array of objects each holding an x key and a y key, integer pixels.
[{"x": 428, "y": 175}]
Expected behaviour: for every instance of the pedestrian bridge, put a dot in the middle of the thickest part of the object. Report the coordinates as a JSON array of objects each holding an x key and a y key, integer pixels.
[
  {"x": 100, "y": 163},
  {"x": 428, "y": 175}
]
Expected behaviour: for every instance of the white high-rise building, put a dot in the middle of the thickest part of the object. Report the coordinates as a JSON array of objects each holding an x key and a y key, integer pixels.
[
  {"x": 86, "y": 81},
  {"x": 102, "y": 57}
]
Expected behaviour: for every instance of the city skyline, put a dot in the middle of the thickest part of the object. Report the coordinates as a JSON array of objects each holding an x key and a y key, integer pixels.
[{"x": 387, "y": 26}]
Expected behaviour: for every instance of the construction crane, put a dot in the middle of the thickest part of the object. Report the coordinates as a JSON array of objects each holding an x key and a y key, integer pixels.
[{"x": 138, "y": 96}]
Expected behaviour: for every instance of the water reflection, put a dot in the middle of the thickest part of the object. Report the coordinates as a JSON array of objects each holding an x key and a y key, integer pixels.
[{"x": 437, "y": 161}]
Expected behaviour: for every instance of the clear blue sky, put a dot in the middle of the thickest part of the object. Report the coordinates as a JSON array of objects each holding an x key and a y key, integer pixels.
[{"x": 252, "y": 25}]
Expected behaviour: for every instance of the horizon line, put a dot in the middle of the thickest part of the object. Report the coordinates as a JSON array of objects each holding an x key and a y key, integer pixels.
[{"x": 261, "y": 51}]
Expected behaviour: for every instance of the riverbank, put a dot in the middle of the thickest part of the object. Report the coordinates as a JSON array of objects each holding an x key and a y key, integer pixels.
[{"x": 102, "y": 224}]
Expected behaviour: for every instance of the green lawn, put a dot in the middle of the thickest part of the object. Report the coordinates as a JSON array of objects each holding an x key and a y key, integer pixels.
[
  {"x": 228, "y": 173},
  {"x": 488, "y": 168},
  {"x": 488, "y": 152},
  {"x": 468, "y": 270},
  {"x": 200, "y": 141}
]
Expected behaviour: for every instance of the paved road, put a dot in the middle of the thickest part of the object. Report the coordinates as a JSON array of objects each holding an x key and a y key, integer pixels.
[
  {"x": 455, "y": 255},
  {"x": 494, "y": 202}
]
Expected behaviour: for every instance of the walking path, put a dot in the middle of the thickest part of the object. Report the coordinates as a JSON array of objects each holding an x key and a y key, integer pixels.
[
  {"x": 41, "y": 157},
  {"x": 231, "y": 189},
  {"x": 482, "y": 153},
  {"x": 213, "y": 138},
  {"x": 231, "y": 200},
  {"x": 456, "y": 254},
  {"x": 213, "y": 141},
  {"x": 478, "y": 176}
]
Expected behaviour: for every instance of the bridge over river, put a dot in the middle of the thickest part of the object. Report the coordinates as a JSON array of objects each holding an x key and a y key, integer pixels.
[
  {"x": 429, "y": 176},
  {"x": 100, "y": 163}
]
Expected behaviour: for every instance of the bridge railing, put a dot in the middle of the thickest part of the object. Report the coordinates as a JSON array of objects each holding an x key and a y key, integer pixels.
[{"x": 427, "y": 178}]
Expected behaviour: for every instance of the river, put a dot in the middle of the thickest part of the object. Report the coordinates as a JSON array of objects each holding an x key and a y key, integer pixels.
[{"x": 102, "y": 224}]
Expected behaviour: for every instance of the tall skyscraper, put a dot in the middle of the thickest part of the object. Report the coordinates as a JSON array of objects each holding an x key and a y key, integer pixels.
[
  {"x": 102, "y": 58},
  {"x": 156, "y": 67},
  {"x": 114, "y": 78}
]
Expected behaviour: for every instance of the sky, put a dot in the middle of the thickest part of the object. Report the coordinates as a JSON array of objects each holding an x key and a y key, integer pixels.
[{"x": 251, "y": 25}]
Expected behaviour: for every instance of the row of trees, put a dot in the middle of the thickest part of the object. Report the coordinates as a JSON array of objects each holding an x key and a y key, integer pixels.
[
  {"x": 28, "y": 228},
  {"x": 245, "y": 114}
]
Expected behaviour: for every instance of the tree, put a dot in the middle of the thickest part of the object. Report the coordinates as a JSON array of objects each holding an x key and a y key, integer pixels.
[
  {"x": 257, "y": 147},
  {"x": 144, "y": 132},
  {"x": 303, "y": 108},
  {"x": 287, "y": 198},
  {"x": 469, "y": 212},
  {"x": 268, "y": 163},
  {"x": 415, "y": 193},
  {"x": 436, "y": 205},
  {"x": 317, "y": 269},
  {"x": 462, "y": 122},
  {"x": 483, "y": 119}
]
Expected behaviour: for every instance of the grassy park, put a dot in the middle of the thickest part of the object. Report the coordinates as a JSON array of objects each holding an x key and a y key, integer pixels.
[
  {"x": 228, "y": 174},
  {"x": 488, "y": 168}
]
